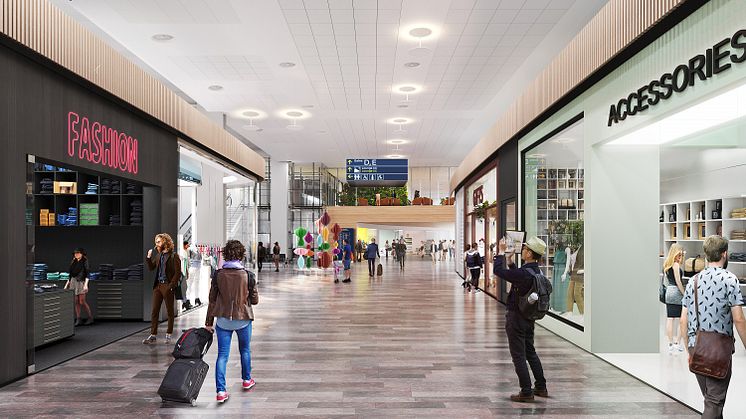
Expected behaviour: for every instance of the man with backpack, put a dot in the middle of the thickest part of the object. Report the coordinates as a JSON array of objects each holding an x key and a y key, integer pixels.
[{"x": 522, "y": 312}]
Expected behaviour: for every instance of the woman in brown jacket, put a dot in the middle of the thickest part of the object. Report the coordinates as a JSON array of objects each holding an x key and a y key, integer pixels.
[{"x": 232, "y": 293}]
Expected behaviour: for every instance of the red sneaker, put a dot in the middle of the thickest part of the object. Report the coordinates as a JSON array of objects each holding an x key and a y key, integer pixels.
[
  {"x": 222, "y": 396},
  {"x": 249, "y": 384}
]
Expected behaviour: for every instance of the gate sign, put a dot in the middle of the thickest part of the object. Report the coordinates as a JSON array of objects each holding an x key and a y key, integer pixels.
[{"x": 377, "y": 172}]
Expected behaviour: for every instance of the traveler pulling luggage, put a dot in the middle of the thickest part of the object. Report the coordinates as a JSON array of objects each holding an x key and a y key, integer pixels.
[{"x": 185, "y": 376}]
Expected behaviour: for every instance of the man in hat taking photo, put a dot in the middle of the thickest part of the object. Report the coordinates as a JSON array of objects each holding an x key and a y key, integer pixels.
[{"x": 519, "y": 329}]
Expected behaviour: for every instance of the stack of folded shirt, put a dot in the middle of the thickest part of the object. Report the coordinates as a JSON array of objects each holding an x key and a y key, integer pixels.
[
  {"x": 737, "y": 257},
  {"x": 64, "y": 276},
  {"x": 121, "y": 274},
  {"x": 94, "y": 276},
  {"x": 71, "y": 219},
  {"x": 738, "y": 213},
  {"x": 134, "y": 272},
  {"x": 136, "y": 213},
  {"x": 88, "y": 214},
  {"x": 115, "y": 220},
  {"x": 106, "y": 271},
  {"x": 39, "y": 271},
  {"x": 92, "y": 189},
  {"x": 53, "y": 276},
  {"x": 47, "y": 185},
  {"x": 133, "y": 189},
  {"x": 738, "y": 235}
]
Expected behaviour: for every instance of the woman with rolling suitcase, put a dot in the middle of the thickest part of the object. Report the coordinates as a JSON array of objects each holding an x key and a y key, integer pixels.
[{"x": 232, "y": 293}]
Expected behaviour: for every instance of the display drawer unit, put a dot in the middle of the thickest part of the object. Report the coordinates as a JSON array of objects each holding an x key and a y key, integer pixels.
[
  {"x": 688, "y": 223},
  {"x": 118, "y": 299},
  {"x": 53, "y": 316}
]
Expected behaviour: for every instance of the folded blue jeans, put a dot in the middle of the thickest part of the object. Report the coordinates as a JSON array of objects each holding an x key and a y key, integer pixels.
[{"x": 224, "y": 349}]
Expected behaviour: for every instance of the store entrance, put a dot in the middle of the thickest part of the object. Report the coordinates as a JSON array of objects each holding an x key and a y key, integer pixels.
[{"x": 76, "y": 305}]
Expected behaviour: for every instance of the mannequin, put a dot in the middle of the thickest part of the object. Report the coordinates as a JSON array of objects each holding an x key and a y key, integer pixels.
[
  {"x": 576, "y": 288},
  {"x": 558, "y": 300}
]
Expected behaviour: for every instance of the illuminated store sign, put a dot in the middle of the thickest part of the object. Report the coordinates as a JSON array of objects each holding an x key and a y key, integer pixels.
[
  {"x": 96, "y": 143},
  {"x": 702, "y": 66},
  {"x": 377, "y": 172}
]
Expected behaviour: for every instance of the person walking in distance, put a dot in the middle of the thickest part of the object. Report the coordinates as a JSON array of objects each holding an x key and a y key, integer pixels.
[
  {"x": 371, "y": 253},
  {"x": 276, "y": 256},
  {"x": 165, "y": 262},
  {"x": 474, "y": 264},
  {"x": 401, "y": 253},
  {"x": 78, "y": 282},
  {"x": 261, "y": 253},
  {"x": 713, "y": 302},
  {"x": 387, "y": 248},
  {"x": 359, "y": 251},
  {"x": 347, "y": 254},
  {"x": 232, "y": 293},
  {"x": 520, "y": 330}
]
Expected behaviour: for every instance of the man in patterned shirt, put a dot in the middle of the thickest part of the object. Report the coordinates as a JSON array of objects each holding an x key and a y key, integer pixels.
[{"x": 720, "y": 309}]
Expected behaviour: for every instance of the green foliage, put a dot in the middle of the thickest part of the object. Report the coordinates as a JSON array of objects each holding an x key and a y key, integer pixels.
[
  {"x": 349, "y": 194},
  {"x": 481, "y": 210},
  {"x": 566, "y": 233}
]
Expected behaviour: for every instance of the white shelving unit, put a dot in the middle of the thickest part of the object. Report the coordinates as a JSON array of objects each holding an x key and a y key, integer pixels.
[
  {"x": 559, "y": 197},
  {"x": 688, "y": 223}
]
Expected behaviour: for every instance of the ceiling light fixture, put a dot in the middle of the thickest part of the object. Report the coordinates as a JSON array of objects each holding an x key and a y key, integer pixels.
[
  {"x": 395, "y": 156},
  {"x": 406, "y": 90},
  {"x": 294, "y": 115},
  {"x": 215, "y": 87},
  {"x": 403, "y": 106},
  {"x": 162, "y": 37},
  {"x": 412, "y": 64},
  {"x": 251, "y": 115},
  {"x": 420, "y": 33},
  {"x": 397, "y": 141},
  {"x": 287, "y": 64},
  {"x": 400, "y": 122}
]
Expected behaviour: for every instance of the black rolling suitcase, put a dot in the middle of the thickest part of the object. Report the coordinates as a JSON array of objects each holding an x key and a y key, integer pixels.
[{"x": 183, "y": 381}]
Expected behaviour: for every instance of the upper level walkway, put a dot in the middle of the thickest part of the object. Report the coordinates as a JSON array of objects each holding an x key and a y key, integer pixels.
[{"x": 405, "y": 344}]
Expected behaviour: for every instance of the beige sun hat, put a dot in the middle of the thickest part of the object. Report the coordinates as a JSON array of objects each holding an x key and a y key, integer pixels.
[{"x": 537, "y": 245}]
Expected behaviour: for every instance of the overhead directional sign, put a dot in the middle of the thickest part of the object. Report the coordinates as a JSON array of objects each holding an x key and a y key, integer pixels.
[{"x": 377, "y": 172}]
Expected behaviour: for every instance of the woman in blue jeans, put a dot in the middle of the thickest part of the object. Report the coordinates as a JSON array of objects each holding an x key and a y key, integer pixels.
[{"x": 232, "y": 293}]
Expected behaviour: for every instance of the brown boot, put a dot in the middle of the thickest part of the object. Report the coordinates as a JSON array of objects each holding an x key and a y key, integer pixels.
[
  {"x": 520, "y": 397},
  {"x": 541, "y": 393}
]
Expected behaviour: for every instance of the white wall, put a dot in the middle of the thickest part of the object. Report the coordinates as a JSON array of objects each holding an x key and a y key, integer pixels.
[
  {"x": 210, "y": 223},
  {"x": 279, "y": 200},
  {"x": 709, "y": 174}
]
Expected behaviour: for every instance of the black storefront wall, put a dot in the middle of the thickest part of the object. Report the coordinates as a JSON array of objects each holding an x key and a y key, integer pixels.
[{"x": 35, "y": 106}]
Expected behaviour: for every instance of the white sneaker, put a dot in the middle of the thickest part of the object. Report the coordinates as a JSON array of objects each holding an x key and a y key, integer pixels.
[
  {"x": 671, "y": 348},
  {"x": 679, "y": 348}
]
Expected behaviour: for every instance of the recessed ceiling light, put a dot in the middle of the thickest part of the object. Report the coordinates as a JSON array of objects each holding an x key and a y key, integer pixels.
[
  {"x": 215, "y": 87},
  {"x": 412, "y": 64},
  {"x": 294, "y": 114},
  {"x": 250, "y": 114},
  {"x": 399, "y": 121},
  {"x": 287, "y": 64},
  {"x": 395, "y": 156},
  {"x": 162, "y": 37},
  {"x": 420, "y": 32},
  {"x": 402, "y": 106},
  {"x": 307, "y": 106},
  {"x": 397, "y": 141},
  {"x": 407, "y": 89}
]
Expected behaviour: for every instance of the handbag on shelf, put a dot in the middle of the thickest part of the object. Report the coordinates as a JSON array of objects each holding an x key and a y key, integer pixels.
[
  {"x": 693, "y": 266},
  {"x": 713, "y": 351}
]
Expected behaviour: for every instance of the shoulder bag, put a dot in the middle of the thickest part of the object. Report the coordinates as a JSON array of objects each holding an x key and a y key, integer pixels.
[
  {"x": 662, "y": 289},
  {"x": 712, "y": 353}
]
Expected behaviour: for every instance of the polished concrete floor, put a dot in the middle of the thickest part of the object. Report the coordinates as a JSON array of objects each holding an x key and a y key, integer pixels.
[{"x": 411, "y": 344}]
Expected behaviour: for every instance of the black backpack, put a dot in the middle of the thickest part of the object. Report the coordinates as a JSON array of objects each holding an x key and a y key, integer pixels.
[
  {"x": 538, "y": 309},
  {"x": 473, "y": 260},
  {"x": 193, "y": 344}
]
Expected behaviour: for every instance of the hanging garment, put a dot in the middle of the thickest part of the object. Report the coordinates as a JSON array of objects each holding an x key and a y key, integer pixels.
[{"x": 558, "y": 301}]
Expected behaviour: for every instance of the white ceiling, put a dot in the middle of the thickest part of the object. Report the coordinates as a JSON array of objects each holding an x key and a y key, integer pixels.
[{"x": 349, "y": 56}]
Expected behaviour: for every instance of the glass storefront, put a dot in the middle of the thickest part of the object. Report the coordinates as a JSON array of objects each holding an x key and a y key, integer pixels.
[
  {"x": 481, "y": 204},
  {"x": 554, "y": 191}
]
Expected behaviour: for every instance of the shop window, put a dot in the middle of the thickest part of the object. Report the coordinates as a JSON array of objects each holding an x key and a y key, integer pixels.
[{"x": 554, "y": 193}]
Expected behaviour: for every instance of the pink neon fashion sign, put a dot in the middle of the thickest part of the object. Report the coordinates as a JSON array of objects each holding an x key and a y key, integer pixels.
[{"x": 96, "y": 143}]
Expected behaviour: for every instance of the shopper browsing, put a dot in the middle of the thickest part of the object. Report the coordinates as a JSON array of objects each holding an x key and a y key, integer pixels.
[
  {"x": 167, "y": 268},
  {"x": 78, "y": 282},
  {"x": 232, "y": 293},
  {"x": 474, "y": 264},
  {"x": 672, "y": 275},
  {"x": 401, "y": 253},
  {"x": 716, "y": 308},
  {"x": 371, "y": 253},
  {"x": 520, "y": 330}
]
